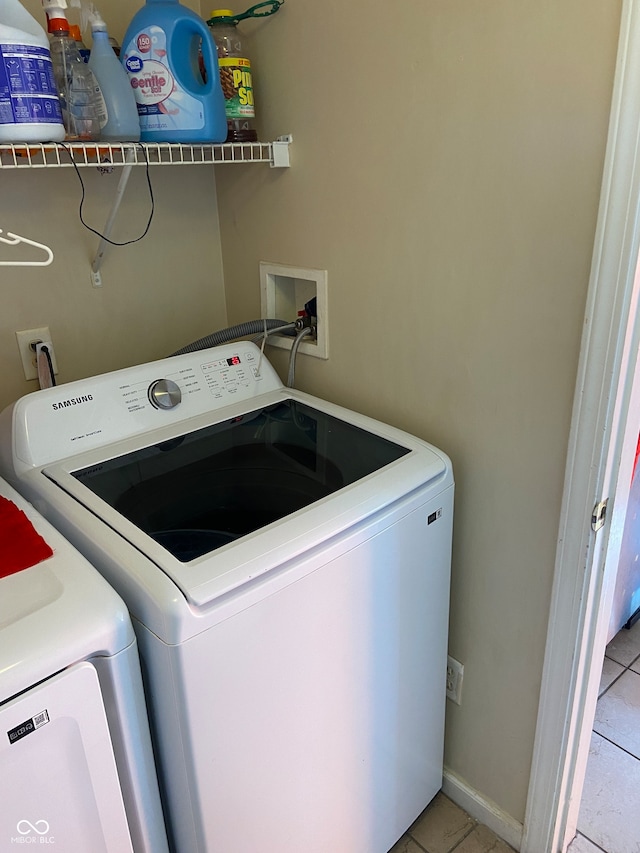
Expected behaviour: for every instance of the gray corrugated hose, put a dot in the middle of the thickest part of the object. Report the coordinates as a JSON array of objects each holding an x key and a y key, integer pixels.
[{"x": 242, "y": 330}]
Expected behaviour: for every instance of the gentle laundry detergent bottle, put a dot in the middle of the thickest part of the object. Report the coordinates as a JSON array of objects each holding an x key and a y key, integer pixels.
[{"x": 161, "y": 56}]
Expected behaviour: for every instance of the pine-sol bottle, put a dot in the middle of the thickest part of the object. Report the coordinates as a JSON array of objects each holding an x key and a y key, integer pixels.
[{"x": 235, "y": 76}]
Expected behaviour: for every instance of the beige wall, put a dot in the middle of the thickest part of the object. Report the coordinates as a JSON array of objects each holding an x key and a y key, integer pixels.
[
  {"x": 447, "y": 159},
  {"x": 157, "y": 295}
]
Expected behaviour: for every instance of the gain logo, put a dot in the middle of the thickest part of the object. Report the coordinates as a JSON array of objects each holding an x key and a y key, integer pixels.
[{"x": 33, "y": 833}]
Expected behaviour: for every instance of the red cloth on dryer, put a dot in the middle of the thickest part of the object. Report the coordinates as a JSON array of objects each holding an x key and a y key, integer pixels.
[{"x": 21, "y": 546}]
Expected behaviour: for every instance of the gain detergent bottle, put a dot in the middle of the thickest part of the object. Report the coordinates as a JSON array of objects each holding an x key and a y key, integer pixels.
[{"x": 160, "y": 53}]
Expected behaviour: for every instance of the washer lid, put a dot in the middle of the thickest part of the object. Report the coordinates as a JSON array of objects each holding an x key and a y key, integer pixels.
[
  {"x": 228, "y": 501},
  {"x": 54, "y": 613}
]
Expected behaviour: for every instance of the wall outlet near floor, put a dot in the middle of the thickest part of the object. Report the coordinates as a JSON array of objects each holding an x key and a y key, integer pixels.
[{"x": 455, "y": 674}]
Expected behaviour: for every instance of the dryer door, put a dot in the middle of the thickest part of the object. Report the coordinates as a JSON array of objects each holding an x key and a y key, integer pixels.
[{"x": 58, "y": 778}]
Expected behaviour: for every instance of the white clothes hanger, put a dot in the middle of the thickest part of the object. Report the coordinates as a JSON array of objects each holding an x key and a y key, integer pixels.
[{"x": 14, "y": 240}]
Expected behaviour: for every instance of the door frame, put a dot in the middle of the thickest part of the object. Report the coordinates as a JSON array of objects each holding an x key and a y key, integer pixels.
[{"x": 599, "y": 463}]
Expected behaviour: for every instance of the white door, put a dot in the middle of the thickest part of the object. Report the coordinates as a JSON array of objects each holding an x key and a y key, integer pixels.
[
  {"x": 599, "y": 462},
  {"x": 58, "y": 779}
]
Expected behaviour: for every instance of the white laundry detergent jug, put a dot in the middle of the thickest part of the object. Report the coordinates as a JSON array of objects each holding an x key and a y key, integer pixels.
[{"x": 29, "y": 104}]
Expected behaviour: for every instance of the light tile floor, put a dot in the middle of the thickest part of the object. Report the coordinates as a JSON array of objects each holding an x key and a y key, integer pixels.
[
  {"x": 609, "y": 820},
  {"x": 444, "y": 827},
  {"x": 609, "y": 817}
]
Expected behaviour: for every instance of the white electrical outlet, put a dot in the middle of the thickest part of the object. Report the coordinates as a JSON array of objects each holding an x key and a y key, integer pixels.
[
  {"x": 455, "y": 674},
  {"x": 27, "y": 341}
]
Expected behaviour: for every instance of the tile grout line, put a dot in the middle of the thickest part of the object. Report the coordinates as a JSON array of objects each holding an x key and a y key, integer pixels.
[
  {"x": 613, "y": 743},
  {"x": 458, "y": 843},
  {"x": 595, "y": 843},
  {"x": 615, "y": 680},
  {"x": 620, "y": 674},
  {"x": 473, "y": 828},
  {"x": 626, "y": 668},
  {"x": 417, "y": 843},
  {"x": 619, "y": 662}
]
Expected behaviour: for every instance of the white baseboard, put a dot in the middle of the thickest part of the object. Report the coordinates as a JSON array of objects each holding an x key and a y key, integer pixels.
[{"x": 482, "y": 809}]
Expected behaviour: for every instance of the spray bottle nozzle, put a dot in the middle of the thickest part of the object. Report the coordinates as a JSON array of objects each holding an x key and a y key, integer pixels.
[
  {"x": 90, "y": 17},
  {"x": 95, "y": 21},
  {"x": 55, "y": 8}
]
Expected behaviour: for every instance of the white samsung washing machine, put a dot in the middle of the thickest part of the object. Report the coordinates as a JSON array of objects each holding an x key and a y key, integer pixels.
[
  {"x": 76, "y": 766},
  {"x": 286, "y": 563}
]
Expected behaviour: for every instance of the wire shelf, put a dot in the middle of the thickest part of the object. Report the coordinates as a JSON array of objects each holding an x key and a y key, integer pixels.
[{"x": 65, "y": 155}]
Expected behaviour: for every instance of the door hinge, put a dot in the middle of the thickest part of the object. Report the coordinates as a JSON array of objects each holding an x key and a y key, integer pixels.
[{"x": 599, "y": 515}]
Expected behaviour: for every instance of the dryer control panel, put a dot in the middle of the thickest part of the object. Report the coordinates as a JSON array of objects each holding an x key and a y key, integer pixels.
[{"x": 94, "y": 412}]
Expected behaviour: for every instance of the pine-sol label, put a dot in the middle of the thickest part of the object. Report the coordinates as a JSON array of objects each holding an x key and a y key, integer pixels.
[{"x": 237, "y": 87}]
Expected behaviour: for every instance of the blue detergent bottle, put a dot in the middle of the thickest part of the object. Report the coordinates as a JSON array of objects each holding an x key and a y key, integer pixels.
[
  {"x": 122, "y": 124},
  {"x": 160, "y": 53}
]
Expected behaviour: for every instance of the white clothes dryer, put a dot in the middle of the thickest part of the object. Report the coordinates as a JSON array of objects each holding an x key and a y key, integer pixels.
[
  {"x": 76, "y": 766},
  {"x": 286, "y": 563}
]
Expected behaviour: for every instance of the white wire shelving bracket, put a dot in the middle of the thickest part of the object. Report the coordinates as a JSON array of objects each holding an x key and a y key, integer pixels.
[{"x": 128, "y": 154}]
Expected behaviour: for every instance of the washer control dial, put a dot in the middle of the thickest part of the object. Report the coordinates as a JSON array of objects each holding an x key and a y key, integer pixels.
[{"x": 164, "y": 394}]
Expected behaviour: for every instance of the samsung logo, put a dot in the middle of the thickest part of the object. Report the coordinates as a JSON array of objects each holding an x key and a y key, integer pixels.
[{"x": 72, "y": 401}]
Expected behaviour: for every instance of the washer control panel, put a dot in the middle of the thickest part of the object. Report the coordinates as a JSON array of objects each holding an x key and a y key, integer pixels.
[{"x": 89, "y": 413}]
